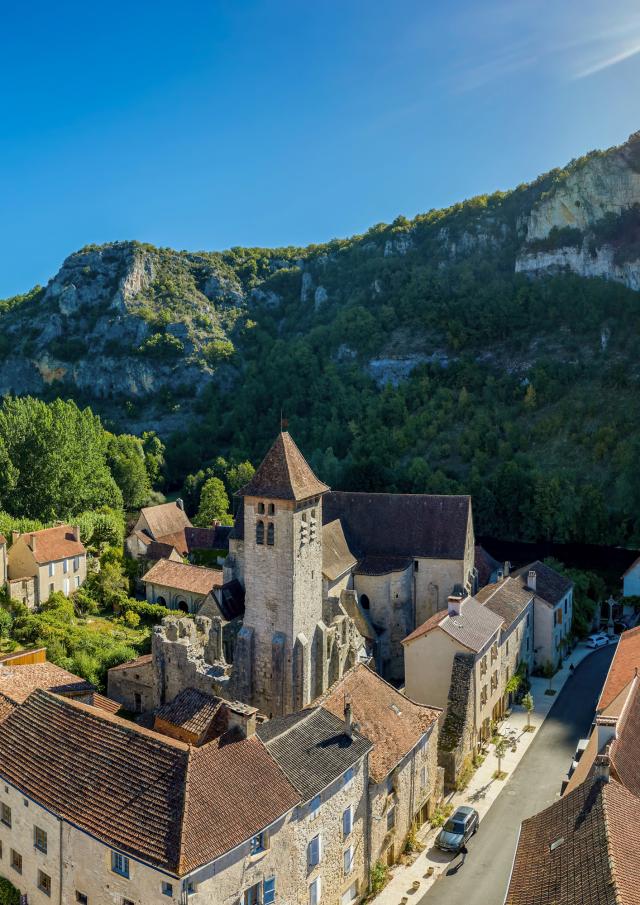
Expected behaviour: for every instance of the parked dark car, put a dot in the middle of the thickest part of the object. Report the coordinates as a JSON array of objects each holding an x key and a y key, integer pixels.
[{"x": 462, "y": 824}]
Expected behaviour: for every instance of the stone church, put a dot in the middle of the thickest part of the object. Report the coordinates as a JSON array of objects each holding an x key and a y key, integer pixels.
[{"x": 331, "y": 578}]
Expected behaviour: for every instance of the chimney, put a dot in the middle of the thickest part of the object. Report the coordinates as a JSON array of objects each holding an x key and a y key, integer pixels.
[
  {"x": 348, "y": 717},
  {"x": 454, "y": 604},
  {"x": 14, "y": 536},
  {"x": 531, "y": 580},
  {"x": 499, "y": 574},
  {"x": 76, "y": 533},
  {"x": 33, "y": 544},
  {"x": 602, "y": 767},
  {"x": 180, "y": 504},
  {"x": 606, "y": 727},
  {"x": 507, "y": 568},
  {"x": 241, "y": 717}
]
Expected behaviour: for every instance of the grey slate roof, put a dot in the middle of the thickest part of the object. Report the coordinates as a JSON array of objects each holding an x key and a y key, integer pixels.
[
  {"x": 551, "y": 586},
  {"x": 474, "y": 627},
  {"x": 312, "y": 748},
  {"x": 401, "y": 524}
]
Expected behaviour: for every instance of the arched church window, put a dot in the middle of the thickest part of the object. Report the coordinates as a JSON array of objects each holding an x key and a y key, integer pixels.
[
  {"x": 272, "y": 509},
  {"x": 261, "y": 508},
  {"x": 271, "y": 533},
  {"x": 260, "y": 532},
  {"x": 364, "y": 602}
]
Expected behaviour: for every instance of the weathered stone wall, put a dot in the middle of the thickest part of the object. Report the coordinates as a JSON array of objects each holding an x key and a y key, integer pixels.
[
  {"x": 457, "y": 737},
  {"x": 186, "y": 655},
  {"x": 391, "y": 611},
  {"x": 23, "y": 589},
  {"x": 435, "y": 580},
  {"x": 174, "y": 599}
]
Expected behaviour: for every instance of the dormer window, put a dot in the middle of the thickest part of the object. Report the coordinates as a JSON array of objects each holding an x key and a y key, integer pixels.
[
  {"x": 261, "y": 508},
  {"x": 271, "y": 534},
  {"x": 260, "y": 532}
]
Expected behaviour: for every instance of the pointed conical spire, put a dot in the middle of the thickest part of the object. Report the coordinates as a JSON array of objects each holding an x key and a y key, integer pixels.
[{"x": 284, "y": 474}]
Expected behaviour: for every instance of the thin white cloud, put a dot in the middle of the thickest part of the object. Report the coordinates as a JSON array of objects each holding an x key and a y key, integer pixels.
[{"x": 605, "y": 63}]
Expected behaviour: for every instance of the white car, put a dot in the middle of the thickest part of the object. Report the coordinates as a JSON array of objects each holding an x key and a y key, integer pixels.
[{"x": 598, "y": 640}]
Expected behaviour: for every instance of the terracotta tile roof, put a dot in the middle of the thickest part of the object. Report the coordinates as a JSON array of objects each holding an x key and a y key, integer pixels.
[
  {"x": 312, "y": 748},
  {"x": 17, "y": 682},
  {"x": 582, "y": 850},
  {"x": 159, "y": 550},
  {"x": 397, "y": 524},
  {"x": 103, "y": 703},
  {"x": 170, "y": 804},
  {"x": 393, "y": 723},
  {"x": 507, "y": 599},
  {"x": 473, "y": 627},
  {"x": 235, "y": 791},
  {"x": 52, "y": 544},
  {"x": 6, "y": 707},
  {"x": 177, "y": 540},
  {"x": 284, "y": 474},
  {"x": 192, "y": 710},
  {"x": 623, "y": 666},
  {"x": 382, "y": 565},
  {"x": 337, "y": 558},
  {"x": 143, "y": 660},
  {"x": 625, "y": 750},
  {"x": 184, "y": 577},
  {"x": 551, "y": 586},
  {"x": 167, "y": 518}
]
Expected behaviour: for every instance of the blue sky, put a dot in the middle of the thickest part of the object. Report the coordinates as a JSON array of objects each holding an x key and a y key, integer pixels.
[{"x": 203, "y": 125}]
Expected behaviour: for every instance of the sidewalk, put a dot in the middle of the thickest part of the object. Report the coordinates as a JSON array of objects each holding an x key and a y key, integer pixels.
[{"x": 481, "y": 792}]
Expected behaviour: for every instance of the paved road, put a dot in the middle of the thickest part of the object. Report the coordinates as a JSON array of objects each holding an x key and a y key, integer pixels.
[{"x": 535, "y": 784}]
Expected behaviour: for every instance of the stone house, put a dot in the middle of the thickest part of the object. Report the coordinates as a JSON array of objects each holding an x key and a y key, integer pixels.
[
  {"x": 179, "y": 585},
  {"x": 165, "y": 532},
  {"x": 167, "y": 821},
  {"x": 41, "y": 562},
  {"x": 405, "y": 783},
  {"x": 133, "y": 684},
  {"x": 325, "y": 758},
  {"x": 454, "y": 662},
  {"x": 553, "y": 611},
  {"x": 631, "y": 580},
  {"x": 514, "y": 604}
]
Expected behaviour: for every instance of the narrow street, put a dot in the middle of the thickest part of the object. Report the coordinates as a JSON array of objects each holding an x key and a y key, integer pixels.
[{"x": 482, "y": 878}]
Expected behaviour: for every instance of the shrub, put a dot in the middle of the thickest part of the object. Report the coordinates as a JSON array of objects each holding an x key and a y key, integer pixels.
[
  {"x": 131, "y": 619},
  {"x": 9, "y": 895},
  {"x": 379, "y": 877}
]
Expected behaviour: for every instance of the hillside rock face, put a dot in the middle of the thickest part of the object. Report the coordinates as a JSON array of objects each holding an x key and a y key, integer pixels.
[{"x": 599, "y": 263}]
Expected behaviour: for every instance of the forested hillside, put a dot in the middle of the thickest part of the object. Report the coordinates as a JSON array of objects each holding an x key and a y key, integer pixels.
[{"x": 490, "y": 348}]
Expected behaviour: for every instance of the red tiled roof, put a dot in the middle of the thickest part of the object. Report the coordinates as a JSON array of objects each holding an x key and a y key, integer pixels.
[
  {"x": 6, "y": 707},
  {"x": 473, "y": 627},
  {"x": 17, "y": 682},
  {"x": 184, "y": 577},
  {"x": 392, "y": 722},
  {"x": 104, "y": 703},
  {"x": 623, "y": 666},
  {"x": 284, "y": 474},
  {"x": 191, "y": 710},
  {"x": 170, "y": 804},
  {"x": 582, "y": 850},
  {"x": 52, "y": 544}
]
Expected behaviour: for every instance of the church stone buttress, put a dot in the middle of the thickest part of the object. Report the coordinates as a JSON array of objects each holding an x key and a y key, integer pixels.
[{"x": 275, "y": 663}]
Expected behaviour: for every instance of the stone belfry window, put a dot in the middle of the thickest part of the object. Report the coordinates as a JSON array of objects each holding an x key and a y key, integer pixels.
[
  {"x": 261, "y": 508},
  {"x": 260, "y": 532},
  {"x": 271, "y": 532}
]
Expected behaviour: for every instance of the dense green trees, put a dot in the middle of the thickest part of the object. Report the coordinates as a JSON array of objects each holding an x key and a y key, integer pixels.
[
  {"x": 214, "y": 504},
  {"x": 126, "y": 461}
]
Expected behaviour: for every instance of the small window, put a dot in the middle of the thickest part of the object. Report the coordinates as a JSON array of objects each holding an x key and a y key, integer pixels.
[
  {"x": 347, "y": 860},
  {"x": 16, "y": 861},
  {"x": 271, "y": 531},
  {"x": 77, "y": 582},
  {"x": 261, "y": 508},
  {"x": 191, "y": 887},
  {"x": 82, "y": 898},
  {"x": 40, "y": 839},
  {"x": 52, "y": 569},
  {"x": 391, "y": 818},
  {"x": 315, "y": 891},
  {"x": 258, "y": 844},
  {"x": 566, "y": 604},
  {"x": 260, "y": 532},
  {"x": 559, "y": 616},
  {"x": 137, "y": 702},
  {"x": 44, "y": 883},
  {"x": 314, "y": 852},
  {"x": 252, "y": 895},
  {"x": 51, "y": 589},
  {"x": 348, "y": 778},
  {"x": 128, "y": 902},
  {"x": 269, "y": 891},
  {"x": 167, "y": 888},
  {"x": 65, "y": 566},
  {"x": 364, "y": 602},
  {"x": 314, "y": 806},
  {"x": 416, "y": 565},
  {"x": 120, "y": 864},
  {"x": 5, "y": 814},
  {"x": 272, "y": 509},
  {"x": 507, "y": 647},
  {"x": 76, "y": 563},
  {"x": 347, "y": 822}
]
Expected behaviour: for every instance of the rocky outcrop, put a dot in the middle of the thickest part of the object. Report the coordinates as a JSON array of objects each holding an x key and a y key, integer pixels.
[{"x": 582, "y": 261}]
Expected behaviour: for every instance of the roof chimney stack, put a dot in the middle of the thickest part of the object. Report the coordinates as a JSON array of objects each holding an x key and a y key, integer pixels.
[
  {"x": 14, "y": 536},
  {"x": 507, "y": 568},
  {"x": 76, "y": 533},
  {"x": 33, "y": 544},
  {"x": 454, "y": 604},
  {"x": 348, "y": 717},
  {"x": 241, "y": 717},
  {"x": 531, "y": 580},
  {"x": 180, "y": 504}
]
